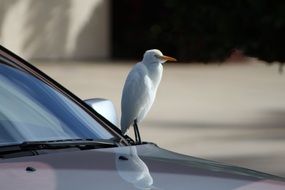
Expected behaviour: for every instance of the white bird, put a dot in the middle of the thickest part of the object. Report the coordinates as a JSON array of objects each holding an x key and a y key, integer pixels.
[{"x": 140, "y": 89}]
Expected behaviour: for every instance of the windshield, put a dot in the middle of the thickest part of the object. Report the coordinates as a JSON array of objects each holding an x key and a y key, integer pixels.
[{"x": 31, "y": 110}]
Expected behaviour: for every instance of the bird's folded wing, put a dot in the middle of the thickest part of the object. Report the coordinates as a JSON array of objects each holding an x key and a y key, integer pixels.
[{"x": 135, "y": 94}]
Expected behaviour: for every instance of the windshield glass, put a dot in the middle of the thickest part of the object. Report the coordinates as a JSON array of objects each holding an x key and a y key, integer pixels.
[{"x": 31, "y": 110}]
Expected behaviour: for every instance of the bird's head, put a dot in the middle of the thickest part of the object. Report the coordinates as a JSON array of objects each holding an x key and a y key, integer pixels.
[{"x": 155, "y": 56}]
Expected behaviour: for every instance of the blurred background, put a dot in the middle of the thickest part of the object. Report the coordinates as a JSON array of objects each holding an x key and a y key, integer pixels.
[{"x": 223, "y": 101}]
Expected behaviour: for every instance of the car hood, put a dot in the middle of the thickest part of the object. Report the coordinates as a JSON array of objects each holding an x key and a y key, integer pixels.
[{"x": 134, "y": 167}]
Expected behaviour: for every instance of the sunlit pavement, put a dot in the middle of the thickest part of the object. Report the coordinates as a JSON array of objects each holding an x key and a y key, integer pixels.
[{"x": 234, "y": 113}]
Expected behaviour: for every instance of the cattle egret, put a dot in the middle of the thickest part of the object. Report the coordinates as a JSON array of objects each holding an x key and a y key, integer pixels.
[{"x": 140, "y": 90}]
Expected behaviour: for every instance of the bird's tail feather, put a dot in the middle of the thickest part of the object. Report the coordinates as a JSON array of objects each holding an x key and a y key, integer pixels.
[{"x": 124, "y": 126}]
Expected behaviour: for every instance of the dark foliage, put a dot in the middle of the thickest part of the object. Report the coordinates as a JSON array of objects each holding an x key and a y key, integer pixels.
[{"x": 199, "y": 30}]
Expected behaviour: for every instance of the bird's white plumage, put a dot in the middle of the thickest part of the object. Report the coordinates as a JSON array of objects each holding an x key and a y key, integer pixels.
[{"x": 140, "y": 88}]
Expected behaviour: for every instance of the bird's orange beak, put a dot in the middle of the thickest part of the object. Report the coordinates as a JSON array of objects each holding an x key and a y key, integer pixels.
[{"x": 167, "y": 58}]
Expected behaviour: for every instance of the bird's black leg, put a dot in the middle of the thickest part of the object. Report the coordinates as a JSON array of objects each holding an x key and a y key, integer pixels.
[{"x": 137, "y": 132}]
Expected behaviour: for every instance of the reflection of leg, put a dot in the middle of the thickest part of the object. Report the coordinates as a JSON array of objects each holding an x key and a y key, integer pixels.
[{"x": 137, "y": 132}]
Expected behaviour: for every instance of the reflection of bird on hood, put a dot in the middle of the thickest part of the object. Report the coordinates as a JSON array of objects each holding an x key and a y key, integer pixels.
[{"x": 132, "y": 169}]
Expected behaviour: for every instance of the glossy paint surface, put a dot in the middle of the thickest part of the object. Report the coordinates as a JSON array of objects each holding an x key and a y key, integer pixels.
[{"x": 135, "y": 167}]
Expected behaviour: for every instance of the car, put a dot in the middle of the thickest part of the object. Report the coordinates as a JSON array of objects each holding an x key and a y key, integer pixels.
[{"x": 52, "y": 140}]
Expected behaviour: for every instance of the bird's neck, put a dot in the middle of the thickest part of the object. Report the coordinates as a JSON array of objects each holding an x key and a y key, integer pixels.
[{"x": 154, "y": 71}]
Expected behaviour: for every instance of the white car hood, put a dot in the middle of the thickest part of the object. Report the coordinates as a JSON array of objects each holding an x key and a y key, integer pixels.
[{"x": 137, "y": 167}]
